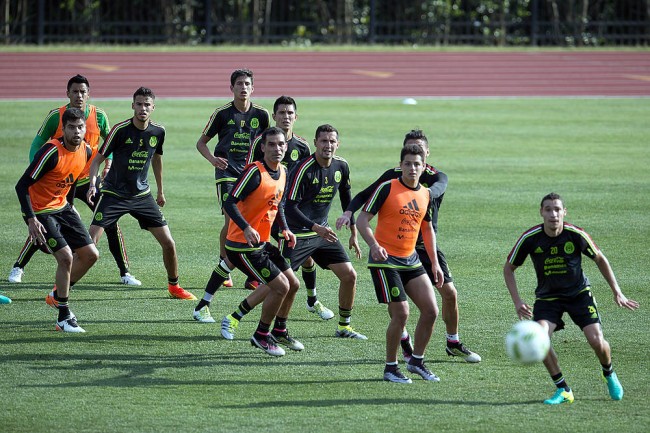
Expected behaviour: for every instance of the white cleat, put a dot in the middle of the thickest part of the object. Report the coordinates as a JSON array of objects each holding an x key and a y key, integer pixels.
[
  {"x": 203, "y": 315},
  {"x": 130, "y": 280},
  {"x": 16, "y": 275},
  {"x": 322, "y": 311}
]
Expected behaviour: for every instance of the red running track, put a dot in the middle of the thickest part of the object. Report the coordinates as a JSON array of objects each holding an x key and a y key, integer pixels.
[{"x": 342, "y": 74}]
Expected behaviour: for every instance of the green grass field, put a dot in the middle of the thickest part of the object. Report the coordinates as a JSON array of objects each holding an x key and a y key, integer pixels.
[{"x": 145, "y": 366}]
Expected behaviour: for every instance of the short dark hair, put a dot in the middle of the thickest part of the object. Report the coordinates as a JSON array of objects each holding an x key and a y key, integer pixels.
[
  {"x": 238, "y": 73},
  {"x": 273, "y": 130},
  {"x": 412, "y": 149},
  {"x": 326, "y": 128},
  {"x": 78, "y": 79},
  {"x": 551, "y": 196},
  {"x": 144, "y": 91},
  {"x": 72, "y": 114},
  {"x": 284, "y": 100},
  {"x": 415, "y": 134}
]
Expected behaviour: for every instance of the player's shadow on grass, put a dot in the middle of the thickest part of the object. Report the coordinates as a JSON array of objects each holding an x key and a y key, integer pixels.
[{"x": 372, "y": 402}]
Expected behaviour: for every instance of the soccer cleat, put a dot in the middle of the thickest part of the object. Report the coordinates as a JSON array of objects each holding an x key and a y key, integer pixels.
[
  {"x": 423, "y": 371},
  {"x": 459, "y": 349},
  {"x": 407, "y": 348},
  {"x": 228, "y": 327},
  {"x": 348, "y": 332},
  {"x": 251, "y": 284},
  {"x": 322, "y": 311},
  {"x": 16, "y": 275},
  {"x": 130, "y": 280},
  {"x": 614, "y": 386},
  {"x": 267, "y": 345},
  {"x": 287, "y": 340},
  {"x": 5, "y": 300},
  {"x": 180, "y": 293},
  {"x": 396, "y": 376},
  {"x": 560, "y": 396},
  {"x": 51, "y": 300},
  {"x": 228, "y": 282},
  {"x": 69, "y": 325},
  {"x": 203, "y": 315}
]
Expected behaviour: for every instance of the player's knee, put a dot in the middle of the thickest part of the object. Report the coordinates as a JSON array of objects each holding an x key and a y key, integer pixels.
[
  {"x": 448, "y": 292},
  {"x": 350, "y": 277},
  {"x": 64, "y": 258},
  {"x": 430, "y": 313},
  {"x": 294, "y": 284},
  {"x": 280, "y": 285}
]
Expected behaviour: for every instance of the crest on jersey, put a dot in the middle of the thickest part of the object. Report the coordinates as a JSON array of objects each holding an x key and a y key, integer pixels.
[
  {"x": 294, "y": 154},
  {"x": 337, "y": 176},
  {"x": 255, "y": 123},
  {"x": 153, "y": 141},
  {"x": 569, "y": 248}
]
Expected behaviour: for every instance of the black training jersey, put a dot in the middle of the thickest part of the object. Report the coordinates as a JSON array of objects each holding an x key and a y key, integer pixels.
[
  {"x": 297, "y": 149},
  {"x": 310, "y": 192},
  {"x": 430, "y": 178},
  {"x": 235, "y": 131},
  {"x": 132, "y": 150},
  {"x": 557, "y": 260}
]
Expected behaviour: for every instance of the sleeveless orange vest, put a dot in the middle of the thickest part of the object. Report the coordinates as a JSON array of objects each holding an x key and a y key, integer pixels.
[
  {"x": 48, "y": 194},
  {"x": 259, "y": 207},
  {"x": 92, "y": 137},
  {"x": 400, "y": 217}
]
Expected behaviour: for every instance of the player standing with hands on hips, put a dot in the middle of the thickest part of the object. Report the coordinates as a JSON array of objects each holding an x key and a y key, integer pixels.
[{"x": 555, "y": 248}]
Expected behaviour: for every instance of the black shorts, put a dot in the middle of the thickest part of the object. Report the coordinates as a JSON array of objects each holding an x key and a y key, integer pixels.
[
  {"x": 223, "y": 191},
  {"x": 324, "y": 253},
  {"x": 144, "y": 209},
  {"x": 263, "y": 264},
  {"x": 582, "y": 309},
  {"x": 389, "y": 282},
  {"x": 442, "y": 261},
  {"x": 64, "y": 228},
  {"x": 81, "y": 193}
]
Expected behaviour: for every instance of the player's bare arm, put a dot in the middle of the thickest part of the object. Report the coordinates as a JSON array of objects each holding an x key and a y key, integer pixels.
[
  {"x": 606, "y": 270},
  {"x": 523, "y": 310},
  {"x": 202, "y": 147}
]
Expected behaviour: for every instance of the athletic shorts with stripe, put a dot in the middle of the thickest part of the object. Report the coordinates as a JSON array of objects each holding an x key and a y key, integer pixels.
[
  {"x": 144, "y": 209},
  {"x": 581, "y": 308},
  {"x": 64, "y": 228},
  {"x": 323, "y": 252},
  {"x": 442, "y": 261},
  {"x": 262, "y": 264},
  {"x": 389, "y": 282},
  {"x": 223, "y": 191}
]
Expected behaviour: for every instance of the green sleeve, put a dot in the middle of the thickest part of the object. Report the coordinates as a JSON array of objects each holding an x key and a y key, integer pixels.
[
  {"x": 48, "y": 128},
  {"x": 104, "y": 126}
]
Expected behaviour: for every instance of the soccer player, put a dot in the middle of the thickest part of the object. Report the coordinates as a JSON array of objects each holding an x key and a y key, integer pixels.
[
  {"x": 97, "y": 127},
  {"x": 51, "y": 219},
  {"x": 403, "y": 208},
  {"x": 556, "y": 248},
  {"x": 236, "y": 124},
  {"x": 313, "y": 185},
  {"x": 436, "y": 181},
  {"x": 253, "y": 206},
  {"x": 284, "y": 115},
  {"x": 136, "y": 144}
]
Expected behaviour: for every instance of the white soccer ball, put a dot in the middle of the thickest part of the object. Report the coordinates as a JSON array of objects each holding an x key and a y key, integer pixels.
[{"x": 527, "y": 342}]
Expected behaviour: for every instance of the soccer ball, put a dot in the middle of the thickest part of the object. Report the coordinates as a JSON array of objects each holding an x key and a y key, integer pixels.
[{"x": 527, "y": 342}]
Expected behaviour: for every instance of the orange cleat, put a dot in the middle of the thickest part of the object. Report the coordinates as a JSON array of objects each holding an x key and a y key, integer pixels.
[
  {"x": 180, "y": 293},
  {"x": 51, "y": 301},
  {"x": 228, "y": 282}
]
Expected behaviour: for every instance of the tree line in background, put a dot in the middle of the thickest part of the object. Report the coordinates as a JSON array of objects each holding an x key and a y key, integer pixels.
[{"x": 297, "y": 22}]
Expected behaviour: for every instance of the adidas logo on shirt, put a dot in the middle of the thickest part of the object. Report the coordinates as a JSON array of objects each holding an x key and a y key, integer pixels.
[{"x": 411, "y": 208}]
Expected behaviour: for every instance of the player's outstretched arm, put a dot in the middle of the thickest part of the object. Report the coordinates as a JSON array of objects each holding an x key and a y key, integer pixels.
[{"x": 606, "y": 270}]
